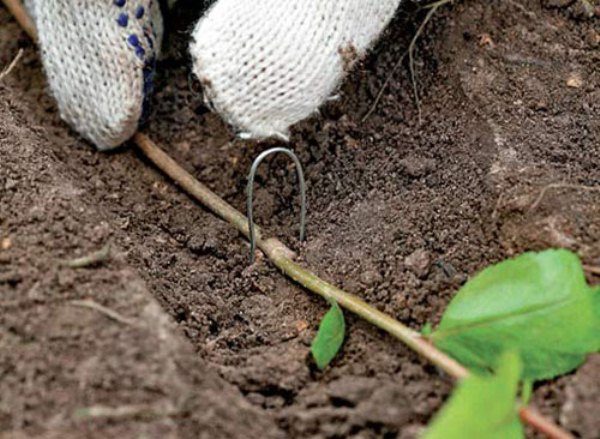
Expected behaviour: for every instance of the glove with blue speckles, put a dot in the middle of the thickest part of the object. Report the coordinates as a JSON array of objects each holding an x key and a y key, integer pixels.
[
  {"x": 99, "y": 57},
  {"x": 264, "y": 64}
]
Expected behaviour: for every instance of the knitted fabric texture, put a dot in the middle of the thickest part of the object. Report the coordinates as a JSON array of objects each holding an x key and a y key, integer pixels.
[
  {"x": 267, "y": 64},
  {"x": 99, "y": 60}
]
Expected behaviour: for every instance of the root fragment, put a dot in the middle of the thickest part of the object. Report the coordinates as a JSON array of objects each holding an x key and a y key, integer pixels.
[
  {"x": 592, "y": 270},
  {"x": 11, "y": 66},
  {"x": 142, "y": 411},
  {"x": 545, "y": 190},
  {"x": 113, "y": 315},
  {"x": 433, "y": 7},
  {"x": 97, "y": 257}
]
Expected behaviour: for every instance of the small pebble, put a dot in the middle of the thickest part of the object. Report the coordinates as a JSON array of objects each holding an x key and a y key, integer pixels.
[
  {"x": 583, "y": 9},
  {"x": 415, "y": 166},
  {"x": 5, "y": 244},
  {"x": 370, "y": 278}
]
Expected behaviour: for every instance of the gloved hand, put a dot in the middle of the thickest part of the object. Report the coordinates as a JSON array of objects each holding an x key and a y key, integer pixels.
[{"x": 264, "y": 64}]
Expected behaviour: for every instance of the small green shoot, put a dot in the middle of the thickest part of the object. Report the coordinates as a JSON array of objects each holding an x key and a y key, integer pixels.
[
  {"x": 330, "y": 337},
  {"x": 537, "y": 304},
  {"x": 526, "y": 391},
  {"x": 482, "y": 406}
]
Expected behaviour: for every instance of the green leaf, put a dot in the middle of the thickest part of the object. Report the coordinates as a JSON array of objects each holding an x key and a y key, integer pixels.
[
  {"x": 537, "y": 304},
  {"x": 596, "y": 300},
  {"x": 482, "y": 406},
  {"x": 330, "y": 337},
  {"x": 427, "y": 329}
]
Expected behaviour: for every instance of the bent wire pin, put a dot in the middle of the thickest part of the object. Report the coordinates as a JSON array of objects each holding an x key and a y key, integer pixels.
[{"x": 250, "y": 194}]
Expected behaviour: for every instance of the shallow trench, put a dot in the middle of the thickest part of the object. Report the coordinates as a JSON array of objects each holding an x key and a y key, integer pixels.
[{"x": 402, "y": 211}]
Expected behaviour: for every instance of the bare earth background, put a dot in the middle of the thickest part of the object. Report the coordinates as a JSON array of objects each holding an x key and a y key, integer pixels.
[{"x": 401, "y": 212}]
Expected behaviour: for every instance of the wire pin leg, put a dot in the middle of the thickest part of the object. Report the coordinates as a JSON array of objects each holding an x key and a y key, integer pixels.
[{"x": 250, "y": 194}]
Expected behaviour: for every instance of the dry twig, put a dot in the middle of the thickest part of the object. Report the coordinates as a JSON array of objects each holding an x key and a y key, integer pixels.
[
  {"x": 411, "y": 49},
  {"x": 592, "y": 270},
  {"x": 113, "y": 315},
  {"x": 410, "y": 52},
  {"x": 94, "y": 258},
  {"x": 11, "y": 66},
  {"x": 18, "y": 11},
  {"x": 143, "y": 411},
  {"x": 387, "y": 81},
  {"x": 545, "y": 190}
]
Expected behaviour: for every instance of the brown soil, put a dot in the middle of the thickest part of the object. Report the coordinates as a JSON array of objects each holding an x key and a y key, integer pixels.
[{"x": 402, "y": 211}]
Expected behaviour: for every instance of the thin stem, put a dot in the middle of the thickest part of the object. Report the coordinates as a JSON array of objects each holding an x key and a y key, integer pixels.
[
  {"x": 408, "y": 336},
  {"x": 198, "y": 190},
  {"x": 410, "y": 52},
  {"x": 538, "y": 422},
  {"x": 387, "y": 81},
  {"x": 18, "y": 11},
  {"x": 90, "y": 304},
  {"x": 94, "y": 258},
  {"x": 591, "y": 269},
  {"x": 11, "y": 66},
  {"x": 546, "y": 188},
  {"x": 433, "y": 7}
]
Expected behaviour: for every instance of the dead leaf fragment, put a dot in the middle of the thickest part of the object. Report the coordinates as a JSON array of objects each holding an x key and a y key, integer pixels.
[
  {"x": 574, "y": 80},
  {"x": 301, "y": 325}
]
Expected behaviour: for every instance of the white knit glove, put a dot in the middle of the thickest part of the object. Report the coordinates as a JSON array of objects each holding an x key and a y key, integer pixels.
[{"x": 264, "y": 64}]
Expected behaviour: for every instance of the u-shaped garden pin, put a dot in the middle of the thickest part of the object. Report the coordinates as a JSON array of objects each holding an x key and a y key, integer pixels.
[{"x": 250, "y": 193}]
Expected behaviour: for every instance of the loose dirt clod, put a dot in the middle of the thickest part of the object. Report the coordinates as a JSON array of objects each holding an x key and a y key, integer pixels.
[{"x": 419, "y": 262}]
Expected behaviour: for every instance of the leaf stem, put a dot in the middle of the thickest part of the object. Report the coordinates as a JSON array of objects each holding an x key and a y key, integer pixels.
[{"x": 543, "y": 425}]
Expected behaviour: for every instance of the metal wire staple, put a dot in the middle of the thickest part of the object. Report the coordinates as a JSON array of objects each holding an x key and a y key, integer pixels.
[{"x": 250, "y": 194}]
